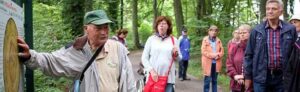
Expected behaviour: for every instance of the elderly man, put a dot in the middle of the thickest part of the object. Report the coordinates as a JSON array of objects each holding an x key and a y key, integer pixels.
[
  {"x": 268, "y": 50},
  {"x": 110, "y": 71}
]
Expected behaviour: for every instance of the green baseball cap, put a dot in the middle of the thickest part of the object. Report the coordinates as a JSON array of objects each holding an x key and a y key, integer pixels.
[{"x": 97, "y": 17}]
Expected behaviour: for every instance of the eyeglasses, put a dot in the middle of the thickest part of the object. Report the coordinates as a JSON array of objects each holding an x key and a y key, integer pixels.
[{"x": 243, "y": 32}]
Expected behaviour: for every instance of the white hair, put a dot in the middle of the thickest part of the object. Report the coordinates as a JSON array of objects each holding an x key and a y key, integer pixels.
[
  {"x": 245, "y": 27},
  {"x": 276, "y": 1},
  {"x": 236, "y": 30}
]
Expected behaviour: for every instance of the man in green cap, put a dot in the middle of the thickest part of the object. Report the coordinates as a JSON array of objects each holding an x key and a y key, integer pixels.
[{"x": 110, "y": 71}]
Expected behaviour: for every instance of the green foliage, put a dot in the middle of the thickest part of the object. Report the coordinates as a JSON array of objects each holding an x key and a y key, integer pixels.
[
  {"x": 48, "y": 28},
  {"x": 49, "y": 35},
  {"x": 113, "y": 12},
  {"x": 73, "y": 13},
  {"x": 49, "y": 84},
  {"x": 146, "y": 30},
  {"x": 48, "y": 2}
]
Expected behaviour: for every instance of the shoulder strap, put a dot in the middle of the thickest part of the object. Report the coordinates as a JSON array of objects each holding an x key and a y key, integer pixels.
[
  {"x": 90, "y": 62},
  {"x": 173, "y": 57},
  {"x": 297, "y": 43}
]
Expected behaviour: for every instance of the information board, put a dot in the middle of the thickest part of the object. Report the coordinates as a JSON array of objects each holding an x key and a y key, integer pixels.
[{"x": 11, "y": 27}]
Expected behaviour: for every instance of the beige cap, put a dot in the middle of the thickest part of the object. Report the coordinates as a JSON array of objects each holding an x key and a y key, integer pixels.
[{"x": 296, "y": 17}]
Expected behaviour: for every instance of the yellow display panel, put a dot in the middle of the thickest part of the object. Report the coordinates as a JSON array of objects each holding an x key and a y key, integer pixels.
[{"x": 11, "y": 63}]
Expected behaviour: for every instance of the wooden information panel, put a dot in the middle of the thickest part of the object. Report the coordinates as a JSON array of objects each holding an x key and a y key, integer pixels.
[{"x": 11, "y": 26}]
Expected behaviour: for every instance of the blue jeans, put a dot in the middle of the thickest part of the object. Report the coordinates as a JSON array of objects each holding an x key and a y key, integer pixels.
[
  {"x": 212, "y": 78},
  {"x": 170, "y": 88},
  {"x": 183, "y": 64},
  {"x": 274, "y": 83}
]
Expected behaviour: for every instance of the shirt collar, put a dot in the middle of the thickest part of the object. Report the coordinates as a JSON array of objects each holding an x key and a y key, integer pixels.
[
  {"x": 268, "y": 26},
  {"x": 212, "y": 39},
  {"x": 162, "y": 37},
  {"x": 105, "y": 48}
]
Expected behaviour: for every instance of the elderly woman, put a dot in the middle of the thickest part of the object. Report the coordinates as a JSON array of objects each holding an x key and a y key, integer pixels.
[
  {"x": 293, "y": 68},
  {"x": 234, "y": 41},
  {"x": 235, "y": 58},
  {"x": 212, "y": 52},
  {"x": 121, "y": 36},
  {"x": 159, "y": 53}
]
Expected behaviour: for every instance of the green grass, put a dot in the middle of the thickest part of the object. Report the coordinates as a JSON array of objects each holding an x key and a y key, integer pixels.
[{"x": 195, "y": 70}]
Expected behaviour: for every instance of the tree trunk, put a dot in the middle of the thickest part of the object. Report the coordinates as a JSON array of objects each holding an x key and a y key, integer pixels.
[
  {"x": 88, "y": 5},
  {"x": 209, "y": 6},
  {"x": 161, "y": 5},
  {"x": 186, "y": 10},
  {"x": 155, "y": 11},
  {"x": 201, "y": 12},
  {"x": 291, "y": 2},
  {"x": 285, "y": 11},
  {"x": 178, "y": 16},
  {"x": 262, "y": 9},
  {"x": 200, "y": 9},
  {"x": 135, "y": 24},
  {"x": 73, "y": 13},
  {"x": 228, "y": 10},
  {"x": 113, "y": 6},
  {"x": 121, "y": 15}
]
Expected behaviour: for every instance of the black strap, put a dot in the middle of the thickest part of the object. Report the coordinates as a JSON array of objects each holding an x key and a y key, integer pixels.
[{"x": 90, "y": 62}]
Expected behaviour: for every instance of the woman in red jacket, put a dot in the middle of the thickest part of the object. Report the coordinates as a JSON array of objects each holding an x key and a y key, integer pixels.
[
  {"x": 235, "y": 58},
  {"x": 234, "y": 41}
]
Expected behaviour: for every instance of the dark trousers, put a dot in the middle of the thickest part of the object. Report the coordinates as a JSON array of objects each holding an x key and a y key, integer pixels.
[
  {"x": 183, "y": 65},
  {"x": 212, "y": 78},
  {"x": 170, "y": 88},
  {"x": 274, "y": 82}
]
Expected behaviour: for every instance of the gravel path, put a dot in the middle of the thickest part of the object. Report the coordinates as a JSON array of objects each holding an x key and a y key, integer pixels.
[{"x": 193, "y": 85}]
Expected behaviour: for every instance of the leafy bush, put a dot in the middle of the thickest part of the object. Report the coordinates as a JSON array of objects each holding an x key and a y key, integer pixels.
[
  {"x": 49, "y": 35},
  {"x": 145, "y": 30}
]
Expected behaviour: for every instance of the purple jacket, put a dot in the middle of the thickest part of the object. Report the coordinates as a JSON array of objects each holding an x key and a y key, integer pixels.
[{"x": 184, "y": 46}]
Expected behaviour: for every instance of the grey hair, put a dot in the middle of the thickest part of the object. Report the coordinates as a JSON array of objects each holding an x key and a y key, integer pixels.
[
  {"x": 245, "y": 27},
  {"x": 213, "y": 26},
  {"x": 276, "y": 1},
  {"x": 237, "y": 29}
]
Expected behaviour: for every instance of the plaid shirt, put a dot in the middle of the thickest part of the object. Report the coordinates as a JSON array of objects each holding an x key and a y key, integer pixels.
[{"x": 273, "y": 45}]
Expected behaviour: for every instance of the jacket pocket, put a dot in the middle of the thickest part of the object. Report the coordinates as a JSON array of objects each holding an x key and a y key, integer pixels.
[
  {"x": 258, "y": 43},
  {"x": 287, "y": 41},
  {"x": 287, "y": 44}
]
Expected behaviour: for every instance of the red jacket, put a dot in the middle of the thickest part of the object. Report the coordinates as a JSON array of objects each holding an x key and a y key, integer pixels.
[{"x": 234, "y": 62}]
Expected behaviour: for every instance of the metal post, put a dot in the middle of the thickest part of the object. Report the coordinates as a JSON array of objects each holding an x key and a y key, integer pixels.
[{"x": 29, "y": 40}]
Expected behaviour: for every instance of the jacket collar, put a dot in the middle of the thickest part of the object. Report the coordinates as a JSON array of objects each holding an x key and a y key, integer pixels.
[
  {"x": 207, "y": 38},
  {"x": 82, "y": 41},
  {"x": 268, "y": 26},
  {"x": 212, "y": 39},
  {"x": 261, "y": 27}
]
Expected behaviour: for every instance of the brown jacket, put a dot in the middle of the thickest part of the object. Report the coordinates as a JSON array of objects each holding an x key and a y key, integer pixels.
[{"x": 207, "y": 51}]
